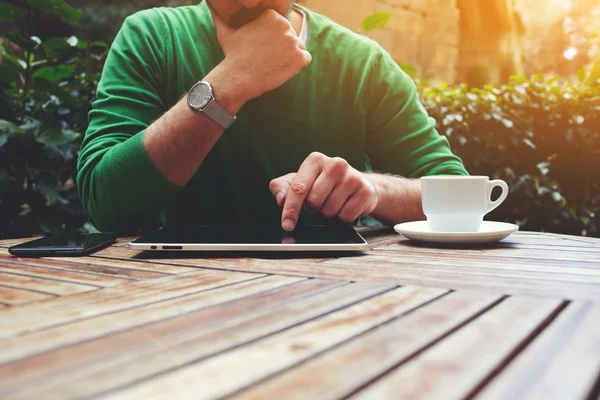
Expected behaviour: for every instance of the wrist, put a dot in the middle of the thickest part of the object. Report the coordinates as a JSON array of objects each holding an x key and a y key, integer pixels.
[
  {"x": 229, "y": 94},
  {"x": 378, "y": 188}
]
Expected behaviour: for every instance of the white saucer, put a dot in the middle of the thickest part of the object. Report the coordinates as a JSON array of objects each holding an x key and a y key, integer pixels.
[{"x": 490, "y": 232}]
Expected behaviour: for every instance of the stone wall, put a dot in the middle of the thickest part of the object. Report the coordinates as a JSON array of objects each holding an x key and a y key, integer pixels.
[{"x": 423, "y": 33}]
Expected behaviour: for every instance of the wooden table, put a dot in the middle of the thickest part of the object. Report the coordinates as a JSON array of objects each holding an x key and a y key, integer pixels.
[{"x": 518, "y": 320}]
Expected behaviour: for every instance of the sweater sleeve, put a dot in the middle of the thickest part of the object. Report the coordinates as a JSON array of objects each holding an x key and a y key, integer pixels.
[
  {"x": 402, "y": 138},
  {"x": 118, "y": 184}
]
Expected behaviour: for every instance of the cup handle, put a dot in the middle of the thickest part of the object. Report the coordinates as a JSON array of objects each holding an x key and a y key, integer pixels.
[{"x": 496, "y": 183}]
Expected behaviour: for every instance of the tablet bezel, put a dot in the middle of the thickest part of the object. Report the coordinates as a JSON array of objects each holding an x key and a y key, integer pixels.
[{"x": 143, "y": 244}]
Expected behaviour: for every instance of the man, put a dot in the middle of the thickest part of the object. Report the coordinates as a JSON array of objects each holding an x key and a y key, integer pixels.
[{"x": 292, "y": 114}]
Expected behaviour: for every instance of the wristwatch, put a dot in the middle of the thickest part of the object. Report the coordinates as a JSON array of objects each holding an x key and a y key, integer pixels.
[{"x": 200, "y": 98}]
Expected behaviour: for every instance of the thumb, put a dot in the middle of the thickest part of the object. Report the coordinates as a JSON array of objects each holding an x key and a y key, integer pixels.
[{"x": 280, "y": 186}]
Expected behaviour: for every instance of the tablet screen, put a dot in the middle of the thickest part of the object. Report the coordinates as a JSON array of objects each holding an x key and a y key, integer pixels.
[{"x": 337, "y": 234}]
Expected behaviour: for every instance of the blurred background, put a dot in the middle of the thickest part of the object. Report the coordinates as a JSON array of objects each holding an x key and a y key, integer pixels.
[{"x": 513, "y": 84}]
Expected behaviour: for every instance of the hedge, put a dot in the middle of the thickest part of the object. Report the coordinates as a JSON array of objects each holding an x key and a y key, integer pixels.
[{"x": 540, "y": 135}]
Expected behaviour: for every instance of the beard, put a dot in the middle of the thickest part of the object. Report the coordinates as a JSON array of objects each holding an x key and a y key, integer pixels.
[{"x": 246, "y": 15}]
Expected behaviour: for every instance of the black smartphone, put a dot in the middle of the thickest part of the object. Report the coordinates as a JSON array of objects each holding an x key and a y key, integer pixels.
[{"x": 65, "y": 245}]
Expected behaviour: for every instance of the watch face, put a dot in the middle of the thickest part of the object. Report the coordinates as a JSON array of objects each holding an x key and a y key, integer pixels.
[{"x": 200, "y": 95}]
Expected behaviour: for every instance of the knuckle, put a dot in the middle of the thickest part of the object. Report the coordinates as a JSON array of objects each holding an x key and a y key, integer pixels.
[
  {"x": 353, "y": 180},
  {"x": 299, "y": 188},
  {"x": 306, "y": 58},
  {"x": 369, "y": 209},
  {"x": 290, "y": 39},
  {"x": 312, "y": 202},
  {"x": 273, "y": 185},
  {"x": 367, "y": 191},
  {"x": 338, "y": 165},
  {"x": 280, "y": 21},
  {"x": 291, "y": 209},
  {"x": 316, "y": 156}
]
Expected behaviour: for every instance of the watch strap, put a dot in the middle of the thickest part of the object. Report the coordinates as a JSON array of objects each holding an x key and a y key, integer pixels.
[{"x": 219, "y": 115}]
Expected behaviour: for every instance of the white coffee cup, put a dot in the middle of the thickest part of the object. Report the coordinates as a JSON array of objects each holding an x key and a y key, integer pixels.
[{"x": 459, "y": 203}]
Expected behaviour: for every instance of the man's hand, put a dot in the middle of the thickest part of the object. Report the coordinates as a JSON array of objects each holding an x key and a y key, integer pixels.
[
  {"x": 324, "y": 185},
  {"x": 263, "y": 54}
]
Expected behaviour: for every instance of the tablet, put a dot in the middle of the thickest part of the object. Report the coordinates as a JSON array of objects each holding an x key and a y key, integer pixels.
[{"x": 252, "y": 238}]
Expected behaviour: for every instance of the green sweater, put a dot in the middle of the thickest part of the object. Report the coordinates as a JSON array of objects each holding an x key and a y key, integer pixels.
[{"x": 353, "y": 102}]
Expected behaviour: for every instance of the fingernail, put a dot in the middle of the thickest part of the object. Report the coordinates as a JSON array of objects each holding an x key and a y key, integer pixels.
[
  {"x": 279, "y": 198},
  {"x": 288, "y": 225}
]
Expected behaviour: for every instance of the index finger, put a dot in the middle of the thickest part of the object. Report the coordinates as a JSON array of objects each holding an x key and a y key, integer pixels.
[{"x": 301, "y": 184}]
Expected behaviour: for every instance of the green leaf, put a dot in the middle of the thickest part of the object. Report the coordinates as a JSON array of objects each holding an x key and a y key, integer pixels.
[
  {"x": 51, "y": 193},
  {"x": 56, "y": 45},
  {"x": 582, "y": 75},
  {"x": 594, "y": 75},
  {"x": 409, "y": 69},
  {"x": 4, "y": 181},
  {"x": 376, "y": 21},
  {"x": 8, "y": 129},
  {"x": 9, "y": 13},
  {"x": 52, "y": 88},
  {"x": 7, "y": 74},
  {"x": 31, "y": 126},
  {"x": 55, "y": 73},
  {"x": 99, "y": 43},
  {"x": 55, "y": 133},
  {"x": 30, "y": 45},
  {"x": 19, "y": 63},
  {"x": 61, "y": 8}
]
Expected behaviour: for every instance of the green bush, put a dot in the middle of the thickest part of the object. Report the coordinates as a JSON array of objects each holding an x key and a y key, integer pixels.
[
  {"x": 46, "y": 89},
  {"x": 540, "y": 135}
]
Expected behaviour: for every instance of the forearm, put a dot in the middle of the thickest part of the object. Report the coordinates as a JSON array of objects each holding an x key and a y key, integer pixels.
[
  {"x": 398, "y": 199},
  {"x": 180, "y": 139}
]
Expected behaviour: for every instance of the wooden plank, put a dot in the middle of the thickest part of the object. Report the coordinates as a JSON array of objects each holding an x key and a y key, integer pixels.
[
  {"x": 487, "y": 267},
  {"x": 63, "y": 275},
  {"x": 141, "y": 336},
  {"x": 443, "y": 258},
  {"x": 27, "y": 346},
  {"x": 522, "y": 239},
  {"x": 86, "y": 305},
  {"x": 88, "y": 265},
  {"x": 175, "y": 352},
  {"x": 511, "y": 278},
  {"x": 379, "y": 236},
  {"x": 583, "y": 239},
  {"x": 44, "y": 285},
  {"x": 453, "y": 368},
  {"x": 202, "y": 259},
  {"x": 507, "y": 253},
  {"x": 342, "y": 370},
  {"x": 545, "y": 239},
  {"x": 13, "y": 242},
  {"x": 124, "y": 266},
  {"x": 562, "y": 363},
  {"x": 395, "y": 268},
  {"x": 13, "y": 297},
  {"x": 561, "y": 246},
  {"x": 212, "y": 378}
]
